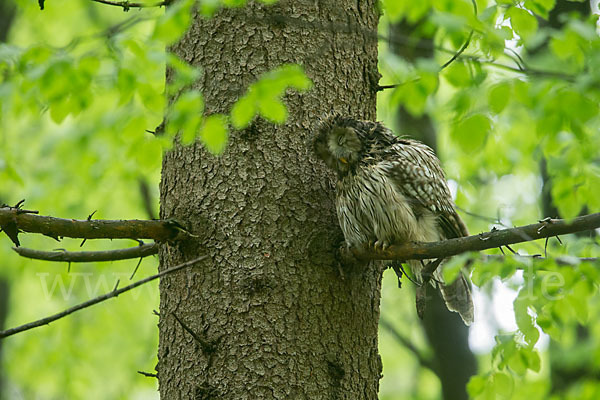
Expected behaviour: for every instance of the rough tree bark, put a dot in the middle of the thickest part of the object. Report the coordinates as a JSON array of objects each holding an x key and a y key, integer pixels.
[
  {"x": 271, "y": 314},
  {"x": 448, "y": 336}
]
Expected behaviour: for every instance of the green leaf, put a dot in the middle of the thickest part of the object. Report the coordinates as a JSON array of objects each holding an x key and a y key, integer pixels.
[
  {"x": 264, "y": 95},
  {"x": 498, "y": 97},
  {"x": 524, "y": 320},
  {"x": 59, "y": 110},
  {"x": 56, "y": 80},
  {"x": 126, "y": 84},
  {"x": 471, "y": 132},
  {"x": 483, "y": 272},
  {"x": 291, "y": 75},
  {"x": 185, "y": 116},
  {"x": 533, "y": 360},
  {"x": 184, "y": 74},
  {"x": 540, "y": 7},
  {"x": 151, "y": 96},
  {"x": 273, "y": 110},
  {"x": 476, "y": 385},
  {"x": 503, "y": 384},
  {"x": 243, "y": 111},
  {"x": 457, "y": 74},
  {"x": 214, "y": 133},
  {"x": 234, "y": 3},
  {"x": 418, "y": 10},
  {"x": 209, "y": 7},
  {"x": 578, "y": 300},
  {"x": 523, "y": 23},
  {"x": 174, "y": 23},
  {"x": 453, "y": 267},
  {"x": 394, "y": 9}
]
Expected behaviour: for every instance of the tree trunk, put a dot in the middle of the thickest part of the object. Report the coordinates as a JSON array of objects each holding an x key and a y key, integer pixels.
[{"x": 271, "y": 314}]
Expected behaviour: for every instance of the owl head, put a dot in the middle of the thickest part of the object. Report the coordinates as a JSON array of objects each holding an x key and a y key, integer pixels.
[{"x": 338, "y": 144}]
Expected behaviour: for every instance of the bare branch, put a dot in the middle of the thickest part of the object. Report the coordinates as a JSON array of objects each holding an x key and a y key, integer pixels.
[
  {"x": 128, "y": 4},
  {"x": 159, "y": 230},
  {"x": 144, "y": 250},
  {"x": 488, "y": 240},
  {"x": 113, "y": 293},
  {"x": 148, "y": 374}
]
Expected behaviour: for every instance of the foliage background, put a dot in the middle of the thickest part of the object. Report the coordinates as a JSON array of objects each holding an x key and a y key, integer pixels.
[{"x": 81, "y": 83}]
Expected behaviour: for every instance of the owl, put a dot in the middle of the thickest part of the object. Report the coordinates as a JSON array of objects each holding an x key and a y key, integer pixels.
[{"x": 391, "y": 190}]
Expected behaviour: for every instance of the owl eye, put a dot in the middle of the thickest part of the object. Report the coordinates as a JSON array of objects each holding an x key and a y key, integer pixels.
[{"x": 341, "y": 140}]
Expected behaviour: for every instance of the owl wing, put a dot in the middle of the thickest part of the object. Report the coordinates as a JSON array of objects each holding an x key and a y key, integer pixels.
[{"x": 416, "y": 172}]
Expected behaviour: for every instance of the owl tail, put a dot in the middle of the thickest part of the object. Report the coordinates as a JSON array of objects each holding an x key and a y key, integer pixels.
[{"x": 457, "y": 297}]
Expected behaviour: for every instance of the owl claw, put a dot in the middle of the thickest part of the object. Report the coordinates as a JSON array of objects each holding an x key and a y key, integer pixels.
[{"x": 380, "y": 244}]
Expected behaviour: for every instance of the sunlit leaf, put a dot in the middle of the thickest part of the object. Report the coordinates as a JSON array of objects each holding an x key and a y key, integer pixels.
[
  {"x": 175, "y": 22},
  {"x": 498, "y": 97},
  {"x": 214, "y": 133},
  {"x": 522, "y": 22},
  {"x": 243, "y": 111},
  {"x": 264, "y": 95}
]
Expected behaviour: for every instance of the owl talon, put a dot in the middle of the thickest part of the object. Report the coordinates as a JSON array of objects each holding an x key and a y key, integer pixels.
[
  {"x": 380, "y": 245},
  {"x": 397, "y": 267}
]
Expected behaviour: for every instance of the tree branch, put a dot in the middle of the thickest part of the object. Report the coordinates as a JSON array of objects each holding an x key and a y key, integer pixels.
[
  {"x": 143, "y": 250},
  {"x": 113, "y": 293},
  {"x": 488, "y": 240},
  {"x": 148, "y": 374},
  {"x": 128, "y": 4},
  {"x": 24, "y": 220}
]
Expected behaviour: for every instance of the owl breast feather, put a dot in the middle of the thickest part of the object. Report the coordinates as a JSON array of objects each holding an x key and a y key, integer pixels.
[{"x": 370, "y": 208}]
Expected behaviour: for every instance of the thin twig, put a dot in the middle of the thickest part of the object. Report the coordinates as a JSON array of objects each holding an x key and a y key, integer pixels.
[
  {"x": 148, "y": 374},
  {"x": 144, "y": 250},
  {"x": 96, "y": 300},
  {"x": 136, "y": 268},
  {"x": 459, "y": 52},
  {"x": 383, "y": 87},
  {"x": 128, "y": 4}
]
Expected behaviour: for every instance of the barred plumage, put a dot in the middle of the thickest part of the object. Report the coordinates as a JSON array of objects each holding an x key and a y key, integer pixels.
[{"x": 391, "y": 190}]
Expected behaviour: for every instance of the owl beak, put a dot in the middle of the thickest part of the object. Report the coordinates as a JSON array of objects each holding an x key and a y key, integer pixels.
[{"x": 343, "y": 160}]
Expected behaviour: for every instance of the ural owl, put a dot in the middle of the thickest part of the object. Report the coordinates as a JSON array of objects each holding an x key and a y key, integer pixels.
[{"x": 391, "y": 190}]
